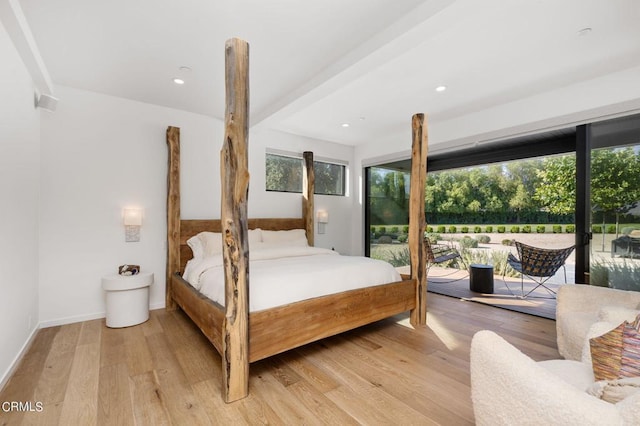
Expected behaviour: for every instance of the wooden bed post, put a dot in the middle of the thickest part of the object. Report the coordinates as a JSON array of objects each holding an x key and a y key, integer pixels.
[
  {"x": 308, "y": 189},
  {"x": 235, "y": 247},
  {"x": 417, "y": 222},
  {"x": 173, "y": 213}
]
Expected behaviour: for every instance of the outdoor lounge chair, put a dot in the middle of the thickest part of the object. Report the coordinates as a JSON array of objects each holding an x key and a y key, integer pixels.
[
  {"x": 440, "y": 253},
  {"x": 538, "y": 264}
]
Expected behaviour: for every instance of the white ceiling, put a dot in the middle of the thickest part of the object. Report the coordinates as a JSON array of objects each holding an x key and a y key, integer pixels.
[{"x": 317, "y": 64}]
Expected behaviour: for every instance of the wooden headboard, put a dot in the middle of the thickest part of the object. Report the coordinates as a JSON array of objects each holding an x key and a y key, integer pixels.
[{"x": 189, "y": 228}]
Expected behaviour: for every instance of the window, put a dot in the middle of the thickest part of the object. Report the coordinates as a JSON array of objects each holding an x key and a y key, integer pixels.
[{"x": 284, "y": 174}]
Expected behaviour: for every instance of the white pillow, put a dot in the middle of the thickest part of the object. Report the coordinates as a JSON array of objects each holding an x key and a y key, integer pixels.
[
  {"x": 293, "y": 237},
  {"x": 206, "y": 244}
]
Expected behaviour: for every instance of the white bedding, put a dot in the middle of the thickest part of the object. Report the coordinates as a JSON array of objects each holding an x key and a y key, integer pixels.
[{"x": 279, "y": 275}]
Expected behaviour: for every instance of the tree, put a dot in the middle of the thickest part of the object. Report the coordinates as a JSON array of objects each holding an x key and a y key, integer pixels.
[{"x": 557, "y": 188}]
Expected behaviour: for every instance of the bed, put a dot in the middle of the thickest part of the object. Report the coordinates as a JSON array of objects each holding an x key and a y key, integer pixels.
[{"x": 242, "y": 335}]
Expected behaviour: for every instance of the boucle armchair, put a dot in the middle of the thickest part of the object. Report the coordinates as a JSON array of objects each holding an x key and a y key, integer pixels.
[
  {"x": 509, "y": 388},
  {"x": 579, "y": 306}
]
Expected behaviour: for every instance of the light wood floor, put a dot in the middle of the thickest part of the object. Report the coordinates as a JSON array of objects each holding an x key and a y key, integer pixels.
[{"x": 165, "y": 372}]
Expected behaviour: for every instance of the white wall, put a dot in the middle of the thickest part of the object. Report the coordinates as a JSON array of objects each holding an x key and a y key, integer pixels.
[
  {"x": 101, "y": 154},
  {"x": 19, "y": 180}
]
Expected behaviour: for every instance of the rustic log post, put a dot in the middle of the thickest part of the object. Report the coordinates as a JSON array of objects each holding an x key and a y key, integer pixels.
[
  {"x": 235, "y": 247},
  {"x": 173, "y": 213},
  {"x": 417, "y": 222},
  {"x": 308, "y": 188}
]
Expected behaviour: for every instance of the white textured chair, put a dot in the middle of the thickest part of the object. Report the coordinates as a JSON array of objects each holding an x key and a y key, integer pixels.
[
  {"x": 579, "y": 306},
  {"x": 509, "y": 388}
]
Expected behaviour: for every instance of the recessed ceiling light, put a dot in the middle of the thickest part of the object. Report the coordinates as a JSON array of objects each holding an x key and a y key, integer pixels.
[
  {"x": 584, "y": 31},
  {"x": 345, "y": 124},
  {"x": 363, "y": 118},
  {"x": 178, "y": 81},
  {"x": 184, "y": 68},
  {"x": 441, "y": 88}
]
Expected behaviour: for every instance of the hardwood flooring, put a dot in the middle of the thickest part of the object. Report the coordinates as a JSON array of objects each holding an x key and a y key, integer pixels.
[{"x": 164, "y": 372}]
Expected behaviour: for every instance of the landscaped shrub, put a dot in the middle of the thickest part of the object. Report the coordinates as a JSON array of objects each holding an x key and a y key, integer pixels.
[
  {"x": 433, "y": 238},
  {"x": 464, "y": 229},
  {"x": 382, "y": 229},
  {"x": 596, "y": 229},
  {"x": 483, "y": 239},
  {"x": 405, "y": 229},
  {"x": 394, "y": 230},
  {"x": 385, "y": 239},
  {"x": 557, "y": 229},
  {"x": 477, "y": 229},
  {"x": 540, "y": 229},
  {"x": 429, "y": 229},
  {"x": 441, "y": 229},
  {"x": 570, "y": 229},
  {"x": 468, "y": 242},
  {"x": 453, "y": 229},
  {"x": 488, "y": 229},
  {"x": 402, "y": 238},
  {"x": 507, "y": 242},
  {"x": 515, "y": 229},
  {"x": 526, "y": 229},
  {"x": 611, "y": 229},
  {"x": 501, "y": 229}
]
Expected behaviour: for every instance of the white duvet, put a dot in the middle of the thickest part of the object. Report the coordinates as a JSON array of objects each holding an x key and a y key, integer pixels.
[{"x": 279, "y": 275}]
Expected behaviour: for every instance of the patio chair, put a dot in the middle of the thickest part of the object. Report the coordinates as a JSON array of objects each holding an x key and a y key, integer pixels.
[
  {"x": 440, "y": 253},
  {"x": 538, "y": 264}
]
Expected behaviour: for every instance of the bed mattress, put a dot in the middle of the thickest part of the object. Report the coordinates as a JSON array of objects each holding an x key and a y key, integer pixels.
[{"x": 279, "y": 275}]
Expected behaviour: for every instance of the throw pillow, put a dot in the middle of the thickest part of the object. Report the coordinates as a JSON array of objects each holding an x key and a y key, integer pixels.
[
  {"x": 614, "y": 391},
  {"x": 630, "y": 360},
  {"x": 606, "y": 354}
]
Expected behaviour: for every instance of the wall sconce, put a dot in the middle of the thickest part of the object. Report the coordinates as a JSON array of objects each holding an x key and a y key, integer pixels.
[
  {"x": 323, "y": 218},
  {"x": 132, "y": 219}
]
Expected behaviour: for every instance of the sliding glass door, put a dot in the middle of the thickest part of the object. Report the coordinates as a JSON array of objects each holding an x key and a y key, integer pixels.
[{"x": 615, "y": 203}]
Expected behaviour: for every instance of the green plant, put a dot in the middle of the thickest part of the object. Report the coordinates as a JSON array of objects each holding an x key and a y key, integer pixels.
[
  {"x": 557, "y": 229},
  {"x": 402, "y": 238},
  {"x": 405, "y": 229},
  {"x": 468, "y": 242},
  {"x": 501, "y": 229},
  {"x": 399, "y": 258},
  {"x": 570, "y": 229},
  {"x": 515, "y": 229},
  {"x": 477, "y": 229},
  {"x": 464, "y": 229},
  {"x": 453, "y": 229},
  {"x": 488, "y": 229},
  {"x": 483, "y": 239},
  {"x": 623, "y": 275},
  {"x": 382, "y": 229},
  {"x": 441, "y": 229},
  {"x": 433, "y": 238},
  {"x": 596, "y": 229},
  {"x": 497, "y": 258},
  {"x": 611, "y": 229},
  {"x": 394, "y": 230},
  {"x": 540, "y": 229},
  {"x": 429, "y": 229},
  {"x": 507, "y": 242},
  {"x": 526, "y": 229}
]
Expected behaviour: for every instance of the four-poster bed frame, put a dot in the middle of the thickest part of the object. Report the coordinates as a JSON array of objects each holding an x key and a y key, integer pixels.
[{"x": 242, "y": 337}]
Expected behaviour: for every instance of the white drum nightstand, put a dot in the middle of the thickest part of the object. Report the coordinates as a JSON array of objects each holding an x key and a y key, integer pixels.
[{"x": 127, "y": 298}]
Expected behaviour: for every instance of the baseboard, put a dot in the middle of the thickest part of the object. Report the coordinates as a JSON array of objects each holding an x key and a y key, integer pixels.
[
  {"x": 88, "y": 317},
  {"x": 14, "y": 364}
]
